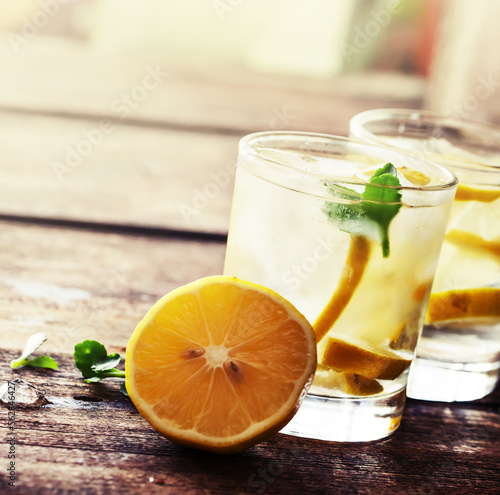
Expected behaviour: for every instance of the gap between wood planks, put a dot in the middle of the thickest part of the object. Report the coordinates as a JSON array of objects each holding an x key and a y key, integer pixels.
[
  {"x": 116, "y": 228},
  {"x": 136, "y": 122}
]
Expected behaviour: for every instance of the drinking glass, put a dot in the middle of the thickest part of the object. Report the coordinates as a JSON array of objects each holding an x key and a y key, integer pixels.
[
  {"x": 345, "y": 231},
  {"x": 458, "y": 356}
]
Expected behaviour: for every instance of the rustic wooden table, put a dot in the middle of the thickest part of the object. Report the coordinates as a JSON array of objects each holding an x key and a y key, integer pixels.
[{"x": 115, "y": 187}]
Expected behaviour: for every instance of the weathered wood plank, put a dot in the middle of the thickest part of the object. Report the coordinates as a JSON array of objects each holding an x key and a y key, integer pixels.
[
  {"x": 75, "y": 284},
  {"x": 131, "y": 176},
  {"x": 107, "y": 446},
  {"x": 70, "y": 77}
]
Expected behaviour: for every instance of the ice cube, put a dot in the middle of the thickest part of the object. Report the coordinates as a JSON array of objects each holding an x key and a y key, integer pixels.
[{"x": 21, "y": 394}]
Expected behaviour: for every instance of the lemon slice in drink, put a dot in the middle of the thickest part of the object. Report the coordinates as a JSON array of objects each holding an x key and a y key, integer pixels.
[
  {"x": 470, "y": 256},
  {"x": 220, "y": 364},
  {"x": 349, "y": 383},
  {"x": 469, "y": 240},
  {"x": 416, "y": 177},
  {"x": 483, "y": 195},
  {"x": 466, "y": 303},
  {"x": 359, "y": 385},
  {"x": 371, "y": 363},
  {"x": 479, "y": 218}
]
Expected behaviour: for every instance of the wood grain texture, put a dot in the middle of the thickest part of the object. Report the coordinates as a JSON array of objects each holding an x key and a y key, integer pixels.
[
  {"x": 135, "y": 176},
  {"x": 107, "y": 446},
  {"x": 75, "y": 284},
  {"x": 67, "y": 77}
]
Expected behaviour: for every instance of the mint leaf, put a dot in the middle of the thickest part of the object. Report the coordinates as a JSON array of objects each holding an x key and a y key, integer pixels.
[
  {"x": 349, "y": 217},
  {"x": 388, "y": 168},
  {"x": 383, "y": 214},
  {"x": 372, "y": 211},
  {"x": 344, "y": 211},
  {"x": 32, "y": 344},
  {"x": 108, "y": 363},
  {"x": 92, "y": 359},
  {"x": 123, "y": 389},
  {"x": 86, "y": 354},
  {"x": 43, "y": 362},
  {"x": 93, "y": 379}
]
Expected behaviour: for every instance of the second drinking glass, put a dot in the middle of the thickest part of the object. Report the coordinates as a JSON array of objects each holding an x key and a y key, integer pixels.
[{"x": 458, "y": 357}]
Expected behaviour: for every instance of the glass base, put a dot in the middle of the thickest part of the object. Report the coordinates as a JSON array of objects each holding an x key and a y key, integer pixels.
[
  {"x": 346, "y": 419},
  {"x": 451, "y": 382}
]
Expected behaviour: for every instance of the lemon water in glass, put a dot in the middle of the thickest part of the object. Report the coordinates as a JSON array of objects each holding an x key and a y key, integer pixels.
[
  {"x": 458, "y": 357},
  {"x": 347, "y": 232}
]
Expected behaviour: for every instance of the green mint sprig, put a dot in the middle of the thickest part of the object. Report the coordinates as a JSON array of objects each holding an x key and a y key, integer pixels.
[
  {"x": 32, "y": 344},
  {"x": 372, "y": 211},
  {"x": 92, "y": 359}
]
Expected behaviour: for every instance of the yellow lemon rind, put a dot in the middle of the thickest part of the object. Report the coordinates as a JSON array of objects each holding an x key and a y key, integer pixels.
[
  {"x": 256, "y": 432},
  {"x": 464, "y": 239},
  {"x": 468, "y": 193},
  {"x": 349, "y": 358},
  {"x": 464, "y": 303}
]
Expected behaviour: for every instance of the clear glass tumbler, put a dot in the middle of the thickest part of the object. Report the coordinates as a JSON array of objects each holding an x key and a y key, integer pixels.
[
  {"x": 458, "y": 356},
  {"x": 349, "y": 234}
]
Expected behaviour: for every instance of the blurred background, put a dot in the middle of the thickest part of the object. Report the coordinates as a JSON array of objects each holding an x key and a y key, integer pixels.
[
  {"x": 124, "y": 100},
  {"x": 447, "y": 45}
]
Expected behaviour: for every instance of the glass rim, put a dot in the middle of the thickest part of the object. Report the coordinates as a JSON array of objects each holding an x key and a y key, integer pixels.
[
  {"x": 247, "y": 147},
  {"x": 434, "y": 118}
]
